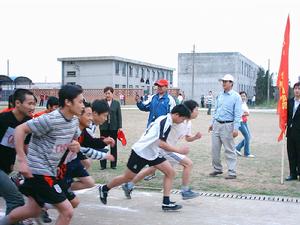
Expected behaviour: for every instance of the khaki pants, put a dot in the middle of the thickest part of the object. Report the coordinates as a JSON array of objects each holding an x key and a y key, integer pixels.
[{"x": 222, "y": 134}]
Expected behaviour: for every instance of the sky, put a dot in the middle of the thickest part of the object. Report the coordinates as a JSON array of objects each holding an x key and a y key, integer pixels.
[{"x": 34, "y": 33}]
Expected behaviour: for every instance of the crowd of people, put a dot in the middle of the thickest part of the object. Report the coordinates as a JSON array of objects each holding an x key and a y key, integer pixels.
[{"x": 54, "y": 146}]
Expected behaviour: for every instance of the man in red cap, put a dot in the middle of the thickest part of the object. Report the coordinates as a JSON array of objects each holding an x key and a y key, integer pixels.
[{"x": 159, "y": 104}]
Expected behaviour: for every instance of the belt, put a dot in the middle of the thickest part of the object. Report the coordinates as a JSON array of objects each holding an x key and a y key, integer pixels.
[{"x": 224, "y": 121}]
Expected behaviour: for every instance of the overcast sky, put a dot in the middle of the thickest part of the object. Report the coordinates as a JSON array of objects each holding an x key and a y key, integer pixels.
[{"x": 34, "y": 33}]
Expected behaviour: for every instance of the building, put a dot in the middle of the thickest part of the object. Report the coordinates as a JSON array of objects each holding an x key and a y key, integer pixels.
[
  {"x": 210, "y": 67},
  {"x": 117, "y": 72}
]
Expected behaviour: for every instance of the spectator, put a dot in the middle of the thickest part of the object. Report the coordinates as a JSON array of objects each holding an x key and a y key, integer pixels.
[
  {"x": 122, "y": 99},
  {"x": 180, "y": 98},
  {"x": 202, "y": 101},
  {"x": 253, "y": 100},
  {"x": 209, "y": 102}
]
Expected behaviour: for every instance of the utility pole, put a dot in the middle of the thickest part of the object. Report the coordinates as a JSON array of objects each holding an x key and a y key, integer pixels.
[
  {"x": 268, "y": 83},
  {"x": 193, "y": 71},
  {"x": 7, "y": 66}
]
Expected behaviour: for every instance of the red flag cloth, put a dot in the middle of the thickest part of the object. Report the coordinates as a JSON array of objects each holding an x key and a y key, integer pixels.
[
  {"x": 283, "y": 81},
  {"x": 121, "y": 137}
]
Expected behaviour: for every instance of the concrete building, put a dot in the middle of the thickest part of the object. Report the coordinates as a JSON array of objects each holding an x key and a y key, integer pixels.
[
  {"x": 209, "y": 67},
  {"x": 117, "y": 72}
]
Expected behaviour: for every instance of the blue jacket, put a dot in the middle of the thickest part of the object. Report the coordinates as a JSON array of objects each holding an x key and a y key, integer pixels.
[{"x": 157, "y": 106}]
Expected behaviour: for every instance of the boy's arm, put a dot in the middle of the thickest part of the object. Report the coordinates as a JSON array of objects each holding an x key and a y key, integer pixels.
[
  {"x": 20, "y": 133},
  {"x": 190, "y": 138},
  {"x": 96, "y": 154},
  {"x": 165, "y": 146}
]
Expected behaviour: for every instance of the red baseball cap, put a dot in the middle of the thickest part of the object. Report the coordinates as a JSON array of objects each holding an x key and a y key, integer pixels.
[{"x": 162, "y": 83}]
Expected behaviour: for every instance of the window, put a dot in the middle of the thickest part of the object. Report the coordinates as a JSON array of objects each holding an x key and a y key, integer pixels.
[
  {"x": 71, "y": 73},
  {"x": 124, "y": 86},
  {"x": 136, "y": 86},
  {"x": 117, "y": 86},
  {"x": 143, "y": 73},
  {"x": 148, "y": 74},
  {"x": 137, "y": 71},
  {"x": 153, "y": 75},
  {"x": 124, "y": 70},
  {"x": 130, "y": 86},
  {"x": 171, "y": 78},
  {"x": 117, "y": 68},
  {"x": 71, "y": 83},
  {"x": 162, "y": 75},
  {"x": 130, "y": 70}
]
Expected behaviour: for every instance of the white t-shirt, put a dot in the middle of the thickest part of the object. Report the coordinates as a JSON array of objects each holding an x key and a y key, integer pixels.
[{"x": 147, "y": 146}]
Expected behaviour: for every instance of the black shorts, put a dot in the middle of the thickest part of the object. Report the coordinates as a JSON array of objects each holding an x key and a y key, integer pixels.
[
  {"x": 75, "y": 169},
  {"x": 136, "y": 163},
  {"x": 43, "y": 189},
  {"x": 70, "y": 195}
]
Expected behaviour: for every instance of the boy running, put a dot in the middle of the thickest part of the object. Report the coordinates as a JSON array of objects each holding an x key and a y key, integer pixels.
[{"x": 146, "y": 152}]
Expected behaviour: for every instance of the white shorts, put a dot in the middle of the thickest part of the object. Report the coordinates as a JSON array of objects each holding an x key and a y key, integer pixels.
[{"x": 174, "y": 157}]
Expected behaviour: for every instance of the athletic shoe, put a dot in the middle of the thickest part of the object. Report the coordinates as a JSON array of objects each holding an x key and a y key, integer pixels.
[
  {"x": 250, "y": 156},
  {"x": 238, "y": 153},
  {"x": 43, "y": 218},
  {"x": 102, "y": 194},
  {"x": 215, "y": 173},
  {"x": 170, "y": 207},
  {"x": 126, "y": 190},
  {"x": 150, "y": 177},
  {"x": 189, "y": 194}
]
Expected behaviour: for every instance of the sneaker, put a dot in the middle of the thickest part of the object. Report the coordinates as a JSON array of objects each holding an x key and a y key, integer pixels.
[
  {"x": 45, "y": 217},
  {"x": 126, "y": 190},
  {"x": 238, "y": 153},
  {"x": 230, "y": 177},
  {"x": 250, "y": 156},
  {"x": 170, "y": 207},
  {"x": 215, "y": 173},
  {"x": 189, "y": 194},
  {"x": 150, "y": 177},
  {"x": 102, "y": 195}
]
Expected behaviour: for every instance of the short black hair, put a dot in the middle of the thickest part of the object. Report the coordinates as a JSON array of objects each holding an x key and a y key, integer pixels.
[
  {"x": 243, "y": 92},
  {"x": 296, "y": 85},
  {"x": 108, "y": 89},
  {"x": 181, "y": 110},
  {"x": 68, "y": 92},
  {"x": 11, "y": 103},
  {"x": 191, "y": 104},
  {"x": 100, "y": 106},
  {"x": 52, "y": 101},
  {"x": 87, "y": 104},
  {"x": 20, "y": 94}
]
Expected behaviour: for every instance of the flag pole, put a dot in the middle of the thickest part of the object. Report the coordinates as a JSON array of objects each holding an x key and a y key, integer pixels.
[{"x": 282, "y": 159}]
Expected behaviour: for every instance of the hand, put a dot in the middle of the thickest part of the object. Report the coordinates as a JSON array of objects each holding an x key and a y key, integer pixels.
[
  {"x": 210, "y": 128},
  {"x": 74, "y": 146},
  {"x": 198, "y": 135},
  {"x": 184, "y": 150},
  {"x": 109, "y": 141},
  {"x": 110, "y": 157},
  {"x": 235, "y": 133},
  {"x": 24, "y": 169}
]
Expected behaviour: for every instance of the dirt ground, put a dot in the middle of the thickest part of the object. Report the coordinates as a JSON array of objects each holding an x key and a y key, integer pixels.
[{"x": 259, "y": 175}]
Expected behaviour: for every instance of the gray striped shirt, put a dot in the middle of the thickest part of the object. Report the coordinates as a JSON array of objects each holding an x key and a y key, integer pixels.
[{"x": 51, "y": 134}]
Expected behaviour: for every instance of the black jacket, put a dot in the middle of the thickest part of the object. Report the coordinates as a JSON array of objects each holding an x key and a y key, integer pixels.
[
  {"x": 114, "y": 120},
  {"x": 294, "y": 121}
]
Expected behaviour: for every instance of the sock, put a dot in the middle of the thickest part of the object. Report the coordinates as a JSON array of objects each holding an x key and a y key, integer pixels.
[
  {"x": 4, "y": 221},
  {"x": 184, "y": 188},
  {"x": 130, "y": 185},
  {"x": 166, "y": 200},
  {"x": 48, "y": 206},
  {"x": 105, "y": 188}
]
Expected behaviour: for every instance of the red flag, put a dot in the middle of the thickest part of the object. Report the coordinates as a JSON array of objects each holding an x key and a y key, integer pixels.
[{"x": 283, "y": 81}]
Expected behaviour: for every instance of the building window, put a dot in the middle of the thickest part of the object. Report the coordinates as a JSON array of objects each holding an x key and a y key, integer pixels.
[
  {"x": 124, "y": 70},
  {"x": 117, "y": 86},
  {"x": 136, "y": 86},
  {"x": 137, "y": 71},
  {"x": 171, "y": 78},
  {"x": 130, "y": 86},
  {"x": 167, "y": 75},
  {"x": 71, "y": 83},
  {"x": 148, "y": 73},
  {"x": 143, "y": 73},
  {"x": 124, "y": 86},
  {"x": 117, "y": 68},
  {"x": 71, "y": 73},
  {"x": 162, "y": 75},
  {"x": 130, "y": 70},
  {"x": 153, "y": 75}
]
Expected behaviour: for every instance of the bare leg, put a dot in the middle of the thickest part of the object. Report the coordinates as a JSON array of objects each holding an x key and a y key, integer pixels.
[
  {"x": 143, "y": 173},
  {"x": 65, "y": 211},
  {"x": 187, "y": 168},
  {"x": 169, "y": 173},
  {"x": 82, "y": 183},
  {"x": 126, "y": 177}
]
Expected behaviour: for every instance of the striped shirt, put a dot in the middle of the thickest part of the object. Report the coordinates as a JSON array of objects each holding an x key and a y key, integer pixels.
[{"x": 51, "y": 135}]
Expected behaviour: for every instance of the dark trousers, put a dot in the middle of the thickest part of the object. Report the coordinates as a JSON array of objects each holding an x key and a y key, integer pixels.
[
  {"x": 293, "y": 149},
  {"x": 113, "y": 150}
]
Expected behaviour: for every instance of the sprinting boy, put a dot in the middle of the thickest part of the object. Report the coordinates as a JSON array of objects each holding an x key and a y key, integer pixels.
[
  {"x": 52, "y": 135},
  {"x": 178, "y": 131},
  {"x": 146, "y": 152}
]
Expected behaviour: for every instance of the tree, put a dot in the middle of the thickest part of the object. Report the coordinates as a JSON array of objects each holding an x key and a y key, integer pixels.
[{"x": 261, "y": 88}]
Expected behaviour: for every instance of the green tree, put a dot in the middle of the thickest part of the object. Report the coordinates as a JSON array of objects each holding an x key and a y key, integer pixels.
[{"x": 261, "y": 88}]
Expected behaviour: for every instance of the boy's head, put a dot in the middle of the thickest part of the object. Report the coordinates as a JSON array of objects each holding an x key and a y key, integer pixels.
[
  {"x": 193, "y": 106},
  {"x": 70, "y": 96},
  {"x": 86, "y": 117},
  {"x": 24, "y": 101},
  {"x": 100, "y": 110},
  {"x": 52, "y": 103},
  {"x": 180, "y": 113}
]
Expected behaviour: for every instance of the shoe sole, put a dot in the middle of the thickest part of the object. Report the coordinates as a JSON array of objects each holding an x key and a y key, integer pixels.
[
  {"x": 172, "y": 209},
  {"x": 191, "y": 197},
  {"x": 103, "y": 200},
  {"x": 128, "y": 196}
]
